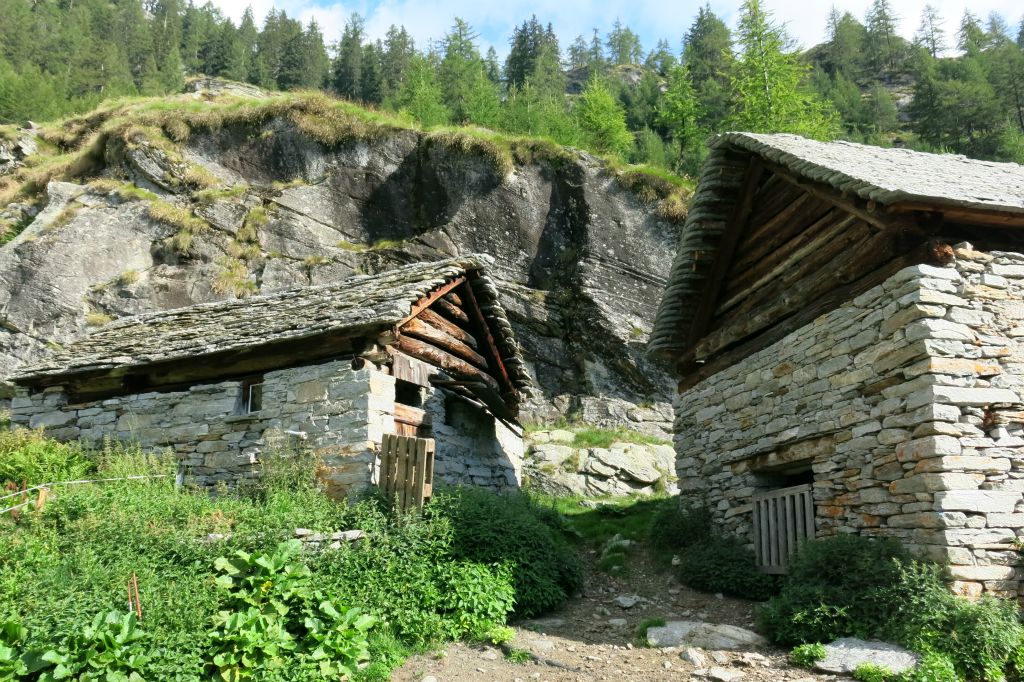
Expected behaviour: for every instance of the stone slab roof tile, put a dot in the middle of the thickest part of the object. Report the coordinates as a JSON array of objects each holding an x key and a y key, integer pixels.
[
  {"x": 364, "y": 305},
  {"x": 887, "y": 176}
]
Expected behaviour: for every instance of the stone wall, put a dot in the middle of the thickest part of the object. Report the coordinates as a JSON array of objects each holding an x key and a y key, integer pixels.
[
  {"x": 332, "y": 410},
  {"x": 471, "y": 446},
  {"x": 906, "y": 404}
]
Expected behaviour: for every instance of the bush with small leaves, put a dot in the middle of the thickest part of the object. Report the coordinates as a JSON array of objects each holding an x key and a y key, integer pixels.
[
  {"x": 806, "y": 655},
  {"x": 512, "y": 530},
  {"x": 723, "y": 564}
]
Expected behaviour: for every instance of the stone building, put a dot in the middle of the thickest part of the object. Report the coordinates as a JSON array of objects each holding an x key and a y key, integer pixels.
[
  {"x": 847, "y": 328},
  {"x": 424, "y": 350}
]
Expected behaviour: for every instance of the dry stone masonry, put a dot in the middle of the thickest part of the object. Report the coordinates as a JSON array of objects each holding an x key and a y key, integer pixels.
[
  {"x": 331, "y": 410},
  {"x": 903, "y": 406}
]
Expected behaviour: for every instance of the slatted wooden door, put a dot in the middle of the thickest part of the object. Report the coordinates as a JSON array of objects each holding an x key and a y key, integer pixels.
[
  {"x": 783, "y": 520},
  {"x": 406, "y": 470}
]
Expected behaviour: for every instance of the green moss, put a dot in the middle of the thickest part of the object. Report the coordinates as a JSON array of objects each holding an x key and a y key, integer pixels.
[
  {"x": 97, "y": 319},
  {"x": 187, "y": 225},
  {"x": 128, "y": 277},
  {"x": 378, "y": 245}
]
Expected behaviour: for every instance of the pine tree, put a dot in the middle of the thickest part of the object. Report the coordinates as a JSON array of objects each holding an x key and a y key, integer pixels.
[
  {"x": 492, "y": 65},
  {"x": 996, "y": 30},
  {"x": 768, "y": 82},
  {"x": 678, "y": 113},
  {"x": 371, "y": 84},
  {"x": 602, "y": 120},
  {"x": 661, "y": 59},
  {"x": 348, "y": 65},
  {"x": 707, "y": 54},
  {"x": 399, "y": 51},
  {"x": 844, "y": 49},
  {"x": 166, "y": 32},
  {"x": 930, "y": 35},
  {"x": 971, "y": 36},
  {"x": 420, "y": 95},
  {"x": 596, "y": 59},
  {"x": 623, "y": 45},
  {"x": 461, "y": 66},
  {"x": 578, "y": 53},
  {"x": 481, "y": 104},
  {"x": 884, "y": 46}
]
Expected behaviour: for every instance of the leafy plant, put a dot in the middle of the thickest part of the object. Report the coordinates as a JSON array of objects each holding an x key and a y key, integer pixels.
[
  {"x": 869, "y": 672},
  {"x": 281, "y": 626},
  {"x": 934, "y": 667},
  {"x": 112, "y": 648},
  {"x": 806, "y": 655},
  {"x": 518, "y": 656}
]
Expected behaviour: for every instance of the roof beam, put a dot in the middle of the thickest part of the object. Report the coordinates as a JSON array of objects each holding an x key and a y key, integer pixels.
[
  {"x": 431, "y": 298},
  {"x": 489, "y": 338}
]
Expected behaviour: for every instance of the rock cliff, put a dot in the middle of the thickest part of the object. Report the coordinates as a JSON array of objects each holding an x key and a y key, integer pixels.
[{"x": 162, "y": 204}]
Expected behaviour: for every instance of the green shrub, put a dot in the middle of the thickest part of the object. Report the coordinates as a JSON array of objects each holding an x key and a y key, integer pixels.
[
  {"x": 511, "y": 529},
  {"x": 806, "y": 655},
  {"x": 62, "y": 565},
  {"x": 851, "y": 586},
  {"x": 934, "y": 667},
  {"x": 723, "y": 564},
  {"x": 834, "y": 588},
  {"x": 676, "y": 527},
  {"x": 29, "y": 457},
  {"x": 869, "y": 672}
]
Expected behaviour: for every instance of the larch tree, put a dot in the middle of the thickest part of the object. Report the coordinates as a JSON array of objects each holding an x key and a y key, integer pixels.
[
  {"x": 930, "y": 34},
  {"x": 768, "y": 82},
  {"x": 602, "y": 120}
]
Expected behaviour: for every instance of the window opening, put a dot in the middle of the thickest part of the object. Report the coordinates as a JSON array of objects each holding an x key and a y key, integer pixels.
[{"x": 252, "y": 395}]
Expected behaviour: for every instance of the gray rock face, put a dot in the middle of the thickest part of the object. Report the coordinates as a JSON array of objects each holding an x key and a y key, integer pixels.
[
  {"x": 697, "y": 633},
  {"x": 581, "y": 261},
  {"x": 844, "y": 655}
]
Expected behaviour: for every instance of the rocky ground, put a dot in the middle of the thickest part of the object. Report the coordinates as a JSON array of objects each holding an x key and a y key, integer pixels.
[{"x": 595, "y": 638}]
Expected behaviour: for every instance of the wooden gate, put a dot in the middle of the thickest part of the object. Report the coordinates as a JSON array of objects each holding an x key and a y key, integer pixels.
[
  {"x": 406, "y": 470},
  {"x": 783, "y": 520}
]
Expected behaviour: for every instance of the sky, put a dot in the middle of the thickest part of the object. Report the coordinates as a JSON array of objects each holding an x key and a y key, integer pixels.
[{"x": 669, "y": 19}]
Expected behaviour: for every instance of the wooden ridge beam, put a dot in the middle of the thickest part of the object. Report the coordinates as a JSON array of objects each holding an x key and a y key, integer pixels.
[{"x": 432, "y": 298}]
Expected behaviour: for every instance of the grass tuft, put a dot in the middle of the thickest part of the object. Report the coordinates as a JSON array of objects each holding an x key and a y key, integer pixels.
[{"x": 234, "y": 279}]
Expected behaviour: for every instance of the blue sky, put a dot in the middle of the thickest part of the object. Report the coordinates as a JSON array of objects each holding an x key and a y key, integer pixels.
[{"x": 667, "y": 19}]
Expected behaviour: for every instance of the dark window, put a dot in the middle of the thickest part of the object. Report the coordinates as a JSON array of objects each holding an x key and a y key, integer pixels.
[
  {"x": 408, "y": 393},
  {"x": 251, "y": 398}
]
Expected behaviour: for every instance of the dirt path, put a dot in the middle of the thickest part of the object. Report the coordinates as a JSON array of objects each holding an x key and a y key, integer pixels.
[{"x": 593, "y": 638}]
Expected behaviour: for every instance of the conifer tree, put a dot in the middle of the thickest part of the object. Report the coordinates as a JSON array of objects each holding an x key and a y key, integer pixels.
[
  {"x": 884, "y": 46},
  {"x": 420, "y": 96},
  {"x": 707, "y": 54},
  {"x": 399, "y": 50},
  {"x": 602, "y": 120},
  {"x": 623, "y": 45},
  {"x": 348, "y": 65},
  {"x": 767, "y": 82},
  {"x": 930, "y": 35}
]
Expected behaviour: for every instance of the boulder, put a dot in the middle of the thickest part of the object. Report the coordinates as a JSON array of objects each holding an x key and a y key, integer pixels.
[
  {"x": 844, "y": 655},
  {"x": 697, "y": 633}
]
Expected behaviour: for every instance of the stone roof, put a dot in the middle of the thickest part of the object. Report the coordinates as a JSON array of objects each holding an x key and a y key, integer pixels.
[
  {"x": 886, "y": 176},
  {"x": 363, "y": 305}
]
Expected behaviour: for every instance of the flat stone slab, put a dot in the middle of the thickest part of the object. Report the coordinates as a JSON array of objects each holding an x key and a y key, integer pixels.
[
  {"x": 844, "y": 655},
  {"x": 697, "y": 633}
]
